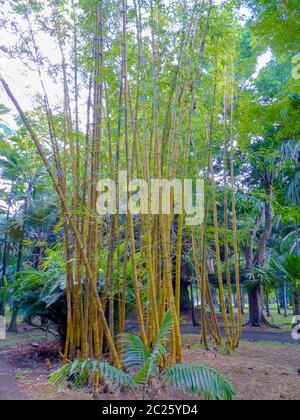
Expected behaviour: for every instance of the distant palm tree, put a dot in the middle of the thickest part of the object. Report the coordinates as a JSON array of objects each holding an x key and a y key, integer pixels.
[
  {"x": 265, "y": 278},
  {"x": 291, "y": 151},
  {"x": 21, "y": 170},
  {"x": 290, "y": 265}
]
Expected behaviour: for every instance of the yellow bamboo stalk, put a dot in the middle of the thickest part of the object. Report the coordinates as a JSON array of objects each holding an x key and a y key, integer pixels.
[
  {"x": 226, "y": 222},
  {"x": 234, "y": 217},
  {"x": 69, "y": 218}
]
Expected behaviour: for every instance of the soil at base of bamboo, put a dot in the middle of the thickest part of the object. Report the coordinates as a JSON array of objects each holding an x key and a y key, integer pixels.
[{"x": 258, "y": 371}]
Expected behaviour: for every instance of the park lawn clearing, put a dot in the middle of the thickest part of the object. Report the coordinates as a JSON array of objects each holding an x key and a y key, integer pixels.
[{"x": 258, "y": 371}]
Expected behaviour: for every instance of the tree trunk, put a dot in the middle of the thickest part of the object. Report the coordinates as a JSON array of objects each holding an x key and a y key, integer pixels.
[
  {"x": 255, "y": 307},
  {"x": 2, "y": 304},
  {"x": 4, "y": 265},
  {"x": 258, "y": 259},
  {"x": 278, "y": 303},
  {"x": 268, "y": 305},
  {"x": 285, "y": 301},
  {"x": 256, "y": 314},
  {"x": 2, "y": 281},
  {"x": 13, "y": 326},
  {"x": 195, "y": 323},
  {"x": 297, "y": 303},
  {"x": 242, "y": 301},
  {"x": 185, "y": 302},
  {"x": 15, "y": 307}
]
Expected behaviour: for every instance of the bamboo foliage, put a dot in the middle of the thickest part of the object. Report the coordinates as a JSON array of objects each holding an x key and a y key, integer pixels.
[{"x": 142, "y": 116}]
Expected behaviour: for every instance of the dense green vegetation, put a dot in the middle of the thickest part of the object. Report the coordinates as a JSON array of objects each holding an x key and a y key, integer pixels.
[{"x": 162, "y": 90}]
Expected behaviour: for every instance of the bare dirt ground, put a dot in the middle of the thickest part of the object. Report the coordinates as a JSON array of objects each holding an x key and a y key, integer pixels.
[
  {"x": 258, "y": 370},
  {"x": 9, "y": 387},
  {"x": 22, "y": 365}
]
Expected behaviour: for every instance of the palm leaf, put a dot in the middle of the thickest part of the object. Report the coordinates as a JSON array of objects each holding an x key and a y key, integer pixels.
[
  {"x": 159, "y": 351},
  {"x": 259, "y": 276},
  {"x": 150, "y": 369},
  {"x": 293, "y": 189},
  {"x": 166, "y": 326},
  {"x": 135, "y": 353},
  {"x": 199, "y": 380},
  {"x": 81, "y": 370},
  {"x": 137, "y": 356},
  {"x": 61, "y": 374},
  {"x": 291, "y": 266}
]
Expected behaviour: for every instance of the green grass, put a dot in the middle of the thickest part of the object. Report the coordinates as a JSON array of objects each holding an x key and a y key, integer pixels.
[
  {"x": 275, "y": 318},
  {"x": 280, "y": 319},
  {"x": 24, "y": 338}
]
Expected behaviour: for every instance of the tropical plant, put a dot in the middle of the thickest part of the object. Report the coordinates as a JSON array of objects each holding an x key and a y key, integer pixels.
[
  {"x": 22, "y": 172},
  {"x": 145, "y": 104},
  {"x": 290, "y": 266},
  {"x": 4, "y": 295},
  {"x": 264, "y": 279},
  {"x": 146, "y": 364},
  {"x": 260, "y": 277},
  {"x": 291, "y": 152},
  {"x": 81, "y": 370},
  {"x": 42, "y": 293}
]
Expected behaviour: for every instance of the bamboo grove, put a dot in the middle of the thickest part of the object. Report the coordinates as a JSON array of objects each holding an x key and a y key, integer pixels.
[{"x": 141, "y": 96}]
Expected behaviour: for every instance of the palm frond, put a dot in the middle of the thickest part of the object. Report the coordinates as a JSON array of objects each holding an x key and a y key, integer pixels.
[
  {"x": 159, "y": 350},
  {"x": 293, "y": 189},
  {"x": 150, "y": 369},
  {"x": 147, "y": 371},
  {"x": 166, "y": 326},
  {"x": 61, "y": 374},
  {"x": 291, "y": 150},
  {"x": 199, "y": 380},
  {"x": 259, "y": 276},
  {"x": 81, "y": 370},
  {"x": 289, "y": 241},
  {"x": 135, "y": 353},
  {"x": 291, "y": 265}
]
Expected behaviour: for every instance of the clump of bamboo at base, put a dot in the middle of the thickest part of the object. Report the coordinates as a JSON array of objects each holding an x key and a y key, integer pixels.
[{"x": 145, "y": 126}]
